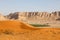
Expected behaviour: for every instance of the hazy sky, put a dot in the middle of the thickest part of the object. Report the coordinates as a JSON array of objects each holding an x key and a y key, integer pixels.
[{"x": 7, "y": 6}]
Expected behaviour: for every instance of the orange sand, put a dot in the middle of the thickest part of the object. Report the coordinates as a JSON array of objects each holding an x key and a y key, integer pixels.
[{"x": 23, "y": 31}]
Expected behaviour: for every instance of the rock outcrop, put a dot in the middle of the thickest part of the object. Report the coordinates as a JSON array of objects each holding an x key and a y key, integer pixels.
[
  {"x": 18, "y": 15},
  {"x": 2, "y": 17},
  {"x": 34, "y": 17}
]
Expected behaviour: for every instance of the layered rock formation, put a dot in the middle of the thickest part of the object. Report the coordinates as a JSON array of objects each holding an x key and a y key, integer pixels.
[
  {"x": 17, "y": 16},
  {"x": 34, "y": 17},
  {"x": 13, "y": 16},
  {"x": 44, "y": 15}
]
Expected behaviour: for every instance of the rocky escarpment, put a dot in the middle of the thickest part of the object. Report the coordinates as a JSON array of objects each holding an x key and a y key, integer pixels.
[
  {"x": 28, "y": 15},
  {"x": 32, "y": 17},
  {"x": 35, "y": 17}
]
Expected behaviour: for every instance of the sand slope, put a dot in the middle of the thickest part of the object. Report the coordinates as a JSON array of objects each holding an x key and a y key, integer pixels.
[{"x": 16, "y": 30}]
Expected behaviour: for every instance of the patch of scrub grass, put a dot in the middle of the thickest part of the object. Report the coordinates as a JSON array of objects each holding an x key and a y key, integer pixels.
[
  {"x": 40, "y": 25},
  {"x": 7, "y": 32}
]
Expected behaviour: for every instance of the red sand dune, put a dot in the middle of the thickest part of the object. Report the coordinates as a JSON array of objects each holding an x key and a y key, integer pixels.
[{"x": 23, "y": 31}]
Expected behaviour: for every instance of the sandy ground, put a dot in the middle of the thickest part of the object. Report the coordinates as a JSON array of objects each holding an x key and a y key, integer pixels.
[{"x": 15, "y": 30}]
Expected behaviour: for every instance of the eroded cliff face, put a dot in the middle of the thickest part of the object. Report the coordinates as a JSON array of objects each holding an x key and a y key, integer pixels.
[
  {"x": 35, "y": 17},
  {"x": 13, "y": 16},
  {"x": 32, "y": 17},
  {"x": 38, "y": 15}
]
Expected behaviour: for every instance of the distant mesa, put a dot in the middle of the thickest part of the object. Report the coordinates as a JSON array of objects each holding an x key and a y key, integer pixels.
[
  {"x": 32, "y": 16},
  {"x": 36, "y": 15}
]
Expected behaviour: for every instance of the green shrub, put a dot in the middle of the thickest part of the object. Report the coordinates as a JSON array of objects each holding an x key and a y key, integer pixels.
[{"x": 40, "y": 25}]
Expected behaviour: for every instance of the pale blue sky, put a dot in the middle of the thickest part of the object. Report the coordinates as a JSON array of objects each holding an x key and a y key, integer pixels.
[{"x": 7, "y": 6}]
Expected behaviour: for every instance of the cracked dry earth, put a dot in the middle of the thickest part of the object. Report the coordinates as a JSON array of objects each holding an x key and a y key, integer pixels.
[{"x": 14, "y": 30}]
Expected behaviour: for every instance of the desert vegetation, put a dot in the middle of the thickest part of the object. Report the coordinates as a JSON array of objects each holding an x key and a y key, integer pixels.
[{"x": 40, "y": 25}]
